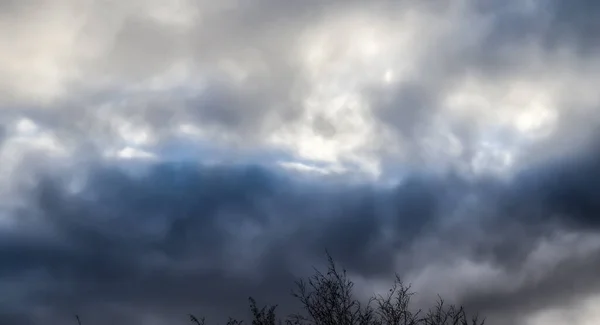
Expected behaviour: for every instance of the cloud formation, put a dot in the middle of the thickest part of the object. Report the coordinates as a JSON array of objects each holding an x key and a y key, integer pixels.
[{"x": 167, "y": 157}]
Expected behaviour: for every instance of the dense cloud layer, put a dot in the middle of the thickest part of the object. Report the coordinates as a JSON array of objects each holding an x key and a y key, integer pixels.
[
  {"x": 183, "y": 237},
  {"x": 167, "y": 157}
]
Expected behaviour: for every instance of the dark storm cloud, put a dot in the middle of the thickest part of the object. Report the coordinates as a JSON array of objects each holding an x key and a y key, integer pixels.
[
  {"x": 565, "y": 284},
  {"x": 169, "y": 241},
  {"x": 550, "y": 23},
  {"x": 543, "y": 202},
  {"x": 574, "y": 22},
  {"x": 566, "y": 188},
  {"x": 178, "y": 238}
]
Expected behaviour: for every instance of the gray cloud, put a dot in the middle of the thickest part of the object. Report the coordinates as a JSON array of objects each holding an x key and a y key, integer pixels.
[
  {"x": 183, "y": 237},
  {"x": 485, "y": 110},
  {"x": 242, "y": 70}
]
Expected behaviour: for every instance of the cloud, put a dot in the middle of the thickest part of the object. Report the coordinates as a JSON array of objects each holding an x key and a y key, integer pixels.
[
  {"x": 246, "y": 72},
  {"x": 183, "y": 236},
  {"x": 166, "y": 157}
]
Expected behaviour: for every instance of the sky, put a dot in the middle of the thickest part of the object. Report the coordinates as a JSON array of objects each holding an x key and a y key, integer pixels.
[{"x": 166, "y": 157}]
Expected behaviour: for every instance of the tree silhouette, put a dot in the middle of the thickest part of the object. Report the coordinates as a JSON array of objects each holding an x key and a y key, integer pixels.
[{"x": 327, "y": 299}]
